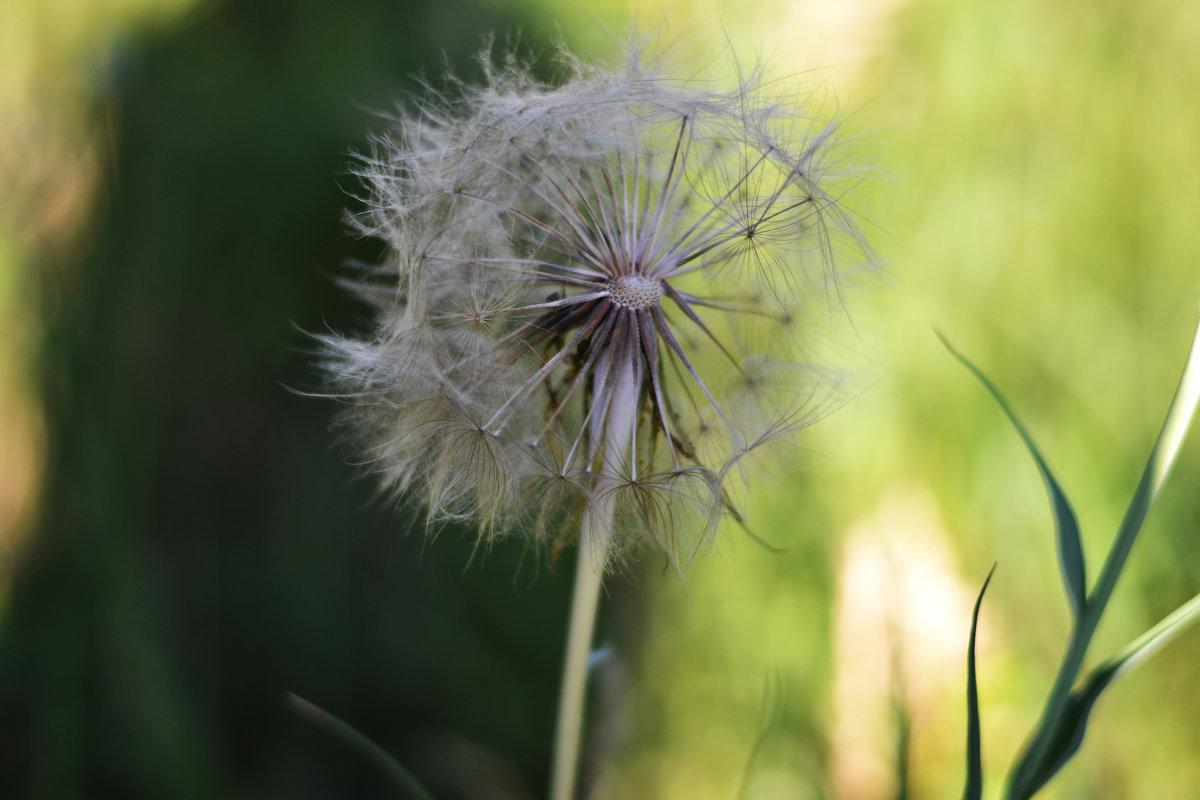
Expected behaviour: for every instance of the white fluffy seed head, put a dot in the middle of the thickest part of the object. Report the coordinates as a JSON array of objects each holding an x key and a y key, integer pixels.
[{"x": 594, "y": 290}]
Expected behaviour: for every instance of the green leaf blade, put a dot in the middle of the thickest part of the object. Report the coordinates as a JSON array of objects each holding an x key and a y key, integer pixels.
[
  {"x": 1066, "y": 526},
  {"x": 404, "y": 780},
  {"x": 1162, "y": 458},
  {"x": 973, "y": 790},
  {"x": 1068, "y": 735}
]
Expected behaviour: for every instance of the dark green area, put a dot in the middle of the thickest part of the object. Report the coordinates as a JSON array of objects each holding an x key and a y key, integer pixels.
[{"x": 203, "y": 545}]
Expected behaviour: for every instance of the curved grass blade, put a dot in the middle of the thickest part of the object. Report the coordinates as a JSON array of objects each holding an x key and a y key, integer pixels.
[
  {"x": 1162, "y": 458},
  {"x": 1070, "y": 550},
  {"x": 1073, "y": 725},
  {"x": 974, "y": 786},
  {"x": 350, "y": 736},
  {"x": 1153, "y": 640}
]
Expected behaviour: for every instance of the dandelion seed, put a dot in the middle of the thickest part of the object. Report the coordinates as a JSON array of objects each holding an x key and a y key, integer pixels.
[{"x": 591, "y": 298}]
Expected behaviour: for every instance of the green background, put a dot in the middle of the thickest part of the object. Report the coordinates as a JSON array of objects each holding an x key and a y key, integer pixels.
[{"x": 185, "y": 540}]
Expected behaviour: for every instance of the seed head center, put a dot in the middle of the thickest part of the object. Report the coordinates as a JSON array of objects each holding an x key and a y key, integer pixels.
[{"x": 635, "y": 291}]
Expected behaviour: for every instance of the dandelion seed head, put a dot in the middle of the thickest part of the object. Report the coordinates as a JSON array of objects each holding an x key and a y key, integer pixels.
[{"x": 591, "y": 295}]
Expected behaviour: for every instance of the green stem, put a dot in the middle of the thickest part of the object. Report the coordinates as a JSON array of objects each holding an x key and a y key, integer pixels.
[
  {"x": 589, "y": 574},
  {"x": 613, "y": 445}
]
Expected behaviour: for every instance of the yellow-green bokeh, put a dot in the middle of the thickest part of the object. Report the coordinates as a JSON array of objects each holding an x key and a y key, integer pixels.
[
  {"x": 53, "y": 136},
  {"x": 1034, "y": 201},
  {"x": 1034, "y": 198}
]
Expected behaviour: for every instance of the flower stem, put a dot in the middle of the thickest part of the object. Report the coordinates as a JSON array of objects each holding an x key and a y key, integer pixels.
[
  {"x": 613, "y": 435},
  {"x": 589, "y": 574}
]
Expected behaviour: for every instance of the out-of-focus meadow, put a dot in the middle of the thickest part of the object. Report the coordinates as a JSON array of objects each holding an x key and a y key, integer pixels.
[{"x": 183, "y": 540}]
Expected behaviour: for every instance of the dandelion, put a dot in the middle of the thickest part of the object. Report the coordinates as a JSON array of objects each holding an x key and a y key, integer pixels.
[
  {"x": 594, "y": 291},
  {"x": 594, "y": 305}
]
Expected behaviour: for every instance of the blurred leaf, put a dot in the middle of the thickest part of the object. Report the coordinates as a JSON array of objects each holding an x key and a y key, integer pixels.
[
  {"x": 974, "y": 788},
  {"x": 772, "y": 720},
  {"x": 1070, "y": 551},
  {"x": 350, "y": 736}
]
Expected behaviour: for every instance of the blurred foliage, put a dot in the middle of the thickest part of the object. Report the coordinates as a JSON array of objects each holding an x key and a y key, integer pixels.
[
  {"x": 179, "y": 174},
  {"x": 201, "y": 547}
]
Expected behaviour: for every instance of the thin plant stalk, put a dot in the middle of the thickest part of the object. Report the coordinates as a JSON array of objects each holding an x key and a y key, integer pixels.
[
  {"x": 613, "y": 437},
  {"x": 589, "y": 576}
]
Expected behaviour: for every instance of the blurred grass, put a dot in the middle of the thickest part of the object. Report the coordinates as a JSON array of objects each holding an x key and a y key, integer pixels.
[{"x": 198, "y": 546}]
